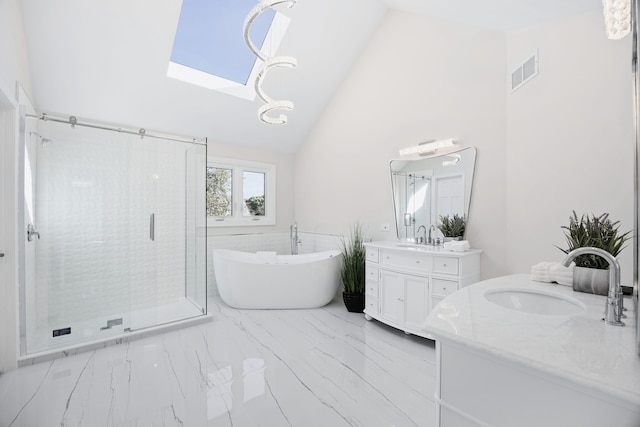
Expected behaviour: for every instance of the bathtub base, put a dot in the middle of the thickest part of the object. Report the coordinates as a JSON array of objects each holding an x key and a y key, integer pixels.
[{"x": 246, "y": 281}]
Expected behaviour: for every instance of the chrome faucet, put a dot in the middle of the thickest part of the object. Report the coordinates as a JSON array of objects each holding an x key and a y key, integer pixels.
[
  {"x": 613, "y": 309},
  {"x": 424, "y": 236},
  {"x": 293, "y": 238},
  {"x": 431, "y": 228}
]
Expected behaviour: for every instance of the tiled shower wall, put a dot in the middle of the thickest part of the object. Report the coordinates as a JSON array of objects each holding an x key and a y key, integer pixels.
[
  {"x": 279, "y": 242},
  {"x": 95, "y": 193}
]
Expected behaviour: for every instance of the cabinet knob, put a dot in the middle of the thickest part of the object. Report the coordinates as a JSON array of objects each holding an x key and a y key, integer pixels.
[{"x": 444, "y": 265}]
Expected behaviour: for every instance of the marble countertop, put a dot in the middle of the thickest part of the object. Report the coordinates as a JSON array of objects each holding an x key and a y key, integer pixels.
[
  {"x": 580, "y": 348},
  {"x": 415, "y": 247}
]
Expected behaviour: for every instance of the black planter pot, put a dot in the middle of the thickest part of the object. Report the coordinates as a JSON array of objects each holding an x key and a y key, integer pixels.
[{"x": 353, "y": 302}]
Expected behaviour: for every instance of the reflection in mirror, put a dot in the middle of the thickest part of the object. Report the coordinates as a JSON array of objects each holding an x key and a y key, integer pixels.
[{"x": 426, "y": 188}]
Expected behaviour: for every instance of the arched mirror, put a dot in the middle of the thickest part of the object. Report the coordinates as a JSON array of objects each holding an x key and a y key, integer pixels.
[{"x": 426, "y": 188}]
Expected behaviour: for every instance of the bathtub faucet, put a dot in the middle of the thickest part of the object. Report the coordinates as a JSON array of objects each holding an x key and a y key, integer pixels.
[{"x": 293, "y": 237}]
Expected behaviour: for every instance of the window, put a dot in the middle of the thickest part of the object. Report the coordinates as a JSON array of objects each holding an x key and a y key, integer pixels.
[
  {"x": 209, "y": 48},
  {"x": 240, "y": 193}
]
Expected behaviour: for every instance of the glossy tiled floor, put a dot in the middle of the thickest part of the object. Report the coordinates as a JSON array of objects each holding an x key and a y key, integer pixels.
[{"x": 323, "y": 367}]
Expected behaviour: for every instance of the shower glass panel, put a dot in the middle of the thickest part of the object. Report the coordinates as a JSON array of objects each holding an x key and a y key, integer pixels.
[
  {"x": 413, "y": 200},
  {"x": 121, "y": 241}
]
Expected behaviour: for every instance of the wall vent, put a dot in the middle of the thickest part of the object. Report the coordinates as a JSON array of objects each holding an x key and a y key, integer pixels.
[{"x": 525, "y": 72}]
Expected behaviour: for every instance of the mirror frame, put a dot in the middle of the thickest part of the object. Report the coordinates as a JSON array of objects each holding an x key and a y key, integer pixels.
[{"x": 469, "y": 173}]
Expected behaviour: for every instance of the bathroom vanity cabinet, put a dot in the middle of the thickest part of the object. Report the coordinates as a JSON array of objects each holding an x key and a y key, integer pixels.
[
  {"x": 541, "y": 357},
  {"x": 404, "y": 281}
]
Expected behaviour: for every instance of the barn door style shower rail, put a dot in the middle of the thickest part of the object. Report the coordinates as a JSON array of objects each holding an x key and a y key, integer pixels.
[{"x": 142, "y": 132}]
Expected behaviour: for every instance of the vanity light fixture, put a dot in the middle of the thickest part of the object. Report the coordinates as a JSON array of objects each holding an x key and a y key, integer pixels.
[
  {"x": 427, "y": 147},
  {"x": 455, "y": 158},
  {"x": 617, "y": 18},
  {"x": 267, "y": 64}
]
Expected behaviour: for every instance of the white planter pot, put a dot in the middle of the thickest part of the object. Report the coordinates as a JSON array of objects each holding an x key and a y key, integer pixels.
[{"x": 591, "y": 280}]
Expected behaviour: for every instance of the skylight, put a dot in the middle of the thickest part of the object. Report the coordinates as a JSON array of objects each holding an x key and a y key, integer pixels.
[{"x": 209, "y": 48}]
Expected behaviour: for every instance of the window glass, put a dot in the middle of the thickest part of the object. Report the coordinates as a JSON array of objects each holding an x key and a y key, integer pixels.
[
  {"x": 209, "y": 49},
  {"x": 219, "y": 191},
  {"x": 209, "y": 37},
  {"x": 253, "y": 193},
  {"x": 240, "y": 193}
]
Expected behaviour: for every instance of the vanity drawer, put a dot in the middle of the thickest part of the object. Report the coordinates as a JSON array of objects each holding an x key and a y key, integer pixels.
[
  {"x": 371, "y": 288},
  {"x": 371, "y": 272},
  {"x": 442, "y": 288},
  {"x": 403, "y": 259},
  {"x": 445, "y": 265},
  {"x": 371, "y": 305},
  {"x": 372, "y": 254}
]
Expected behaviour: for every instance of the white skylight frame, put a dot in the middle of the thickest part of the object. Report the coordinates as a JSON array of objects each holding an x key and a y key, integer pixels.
[{"x": 272, "y": 42}]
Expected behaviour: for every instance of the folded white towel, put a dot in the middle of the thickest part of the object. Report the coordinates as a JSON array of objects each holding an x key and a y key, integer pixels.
[
  {"x": 552, "y": 272},
  {"x": 457, "y": 245},
  {"x": 562, "y": 275}
]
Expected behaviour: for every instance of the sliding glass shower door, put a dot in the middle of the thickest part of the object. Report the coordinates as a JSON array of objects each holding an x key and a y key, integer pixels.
[{"x": 120, "y": 244}]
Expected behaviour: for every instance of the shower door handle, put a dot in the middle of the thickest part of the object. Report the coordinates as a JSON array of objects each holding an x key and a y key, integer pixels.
[
  {"x": 152, "y": 227},
  {"x": 31, "y": 233}
]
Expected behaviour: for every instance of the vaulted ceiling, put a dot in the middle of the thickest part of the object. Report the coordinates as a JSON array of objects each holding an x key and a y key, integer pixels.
[{"x": 108, "y": 61}]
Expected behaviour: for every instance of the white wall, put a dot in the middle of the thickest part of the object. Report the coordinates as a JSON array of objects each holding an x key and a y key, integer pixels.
[
  {"x": 570, "y": 137},
  {"x": 419, "y": 78},
  {"x": 561, "y": 142},
  {"x": 13, "y": 68},
  {"x": 13, "y": 54}
]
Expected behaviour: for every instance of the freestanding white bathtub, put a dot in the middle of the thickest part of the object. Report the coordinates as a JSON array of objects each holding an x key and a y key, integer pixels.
[{"x": 264, "y": 280}]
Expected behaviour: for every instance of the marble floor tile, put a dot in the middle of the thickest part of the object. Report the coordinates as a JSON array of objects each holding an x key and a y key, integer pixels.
[{"x": 246, "y": 368}]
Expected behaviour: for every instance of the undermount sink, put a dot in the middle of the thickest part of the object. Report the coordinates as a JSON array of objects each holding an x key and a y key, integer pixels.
[{"x": 534, "y": 302}]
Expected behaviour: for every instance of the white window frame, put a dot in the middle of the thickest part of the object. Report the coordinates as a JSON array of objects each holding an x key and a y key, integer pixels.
[{"x": 238, "y": 167}]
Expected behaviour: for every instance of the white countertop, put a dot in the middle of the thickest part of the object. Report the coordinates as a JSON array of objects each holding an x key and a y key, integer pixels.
[
  {"x": 415, "y": 247},
  {"x": 580, "y": 348}
]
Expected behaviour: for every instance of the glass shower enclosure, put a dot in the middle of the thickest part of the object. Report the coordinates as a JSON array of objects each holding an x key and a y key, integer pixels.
[
  {"x": 114, "y": 232},
  {"x": 412, "y": 199}
]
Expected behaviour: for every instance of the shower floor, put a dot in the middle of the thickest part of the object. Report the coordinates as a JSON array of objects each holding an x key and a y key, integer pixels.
[{"x": 117, "y": 325}]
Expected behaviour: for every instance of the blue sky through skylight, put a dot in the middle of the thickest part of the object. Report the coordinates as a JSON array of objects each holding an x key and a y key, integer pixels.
[{"x": 209, "y": 37}]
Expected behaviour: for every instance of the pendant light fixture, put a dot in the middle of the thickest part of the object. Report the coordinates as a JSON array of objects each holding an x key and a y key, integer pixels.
[
  {"x": 617, "y": 18},
  {"x": 268, "y": 63}
]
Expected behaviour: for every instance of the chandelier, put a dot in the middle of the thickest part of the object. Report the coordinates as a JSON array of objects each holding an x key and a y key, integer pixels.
[
  {"x": 268, "y": 63},
  {"x": 617, "y": 18}
]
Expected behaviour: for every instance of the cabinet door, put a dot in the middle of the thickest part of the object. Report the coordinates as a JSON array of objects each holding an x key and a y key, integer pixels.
[
  {"x": 392, "y": 296},
  {"x": 404, "y": 299},
  {"x": 416, "y": 301}
]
